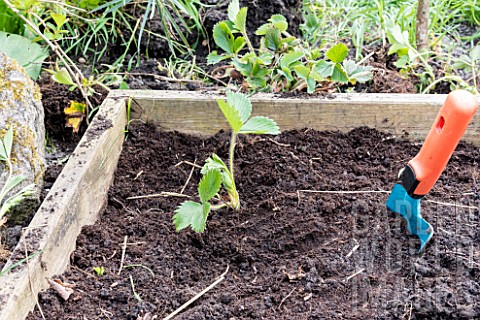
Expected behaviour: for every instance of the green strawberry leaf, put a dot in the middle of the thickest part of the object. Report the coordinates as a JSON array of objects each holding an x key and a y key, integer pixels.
[
  {"x": 337, "y": 53},
  {"x": 213, "y": 163},
  {"x": 401, "y": 62},
  {"x": 260, "y": 125},
  {"x": 280, "y": 22},
  {"x": 192, "y": 214},
  {"x": 357, "y": 73},
  {"x": 231, "y": 114},
  {"x": 241, "y": 20},
  {"x": 241, "y": 103},
  {"x": 233, "y": 9},
  {"x": 262, "y": 30},
  {"x": 289, "y": 60},
  {"x": 238, "y": 44},
  {"x": 214, "y": 57},
  {"x": 324, "y": 68},
  {"x": 273, "y": 39},
  {"x": 311, "y": 82},
  {"x": 339, "y": 74},
  {"x": 257, "y": 82},
  {"x": 209, "y": 185},
  {"x": 302, "y": 71},
  {"x": 223, "y": 37}
]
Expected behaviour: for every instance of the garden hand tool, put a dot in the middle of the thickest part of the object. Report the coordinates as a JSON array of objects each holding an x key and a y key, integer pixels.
[{"x": 421, "y": 173}]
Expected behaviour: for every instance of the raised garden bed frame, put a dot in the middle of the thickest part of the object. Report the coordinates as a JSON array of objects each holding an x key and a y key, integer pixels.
[{"x": 80, "y": 192}]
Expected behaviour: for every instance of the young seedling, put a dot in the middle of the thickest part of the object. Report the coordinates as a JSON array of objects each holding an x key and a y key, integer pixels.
[
  {"x": 99, "y": 271},
  {"x": 237, "y": 110},
  {"x": 12, "y": 181}
]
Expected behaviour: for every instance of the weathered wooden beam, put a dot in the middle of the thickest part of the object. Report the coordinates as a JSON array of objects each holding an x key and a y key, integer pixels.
[
  {"x": 197, "y": 112},
  {"x": 74, "y": 201}
]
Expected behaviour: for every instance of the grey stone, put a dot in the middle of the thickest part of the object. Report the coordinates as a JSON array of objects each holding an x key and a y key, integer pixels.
[{"x": 21, "y": 107}]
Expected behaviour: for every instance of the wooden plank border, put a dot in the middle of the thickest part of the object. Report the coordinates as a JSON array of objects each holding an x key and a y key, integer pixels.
[
  {"x": 75, "y": 200},
  {"x": 197, "y": 112}
]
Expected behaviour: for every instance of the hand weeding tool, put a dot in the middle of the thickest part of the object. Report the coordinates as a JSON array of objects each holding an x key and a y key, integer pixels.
[{"x": 421, "y": 173}]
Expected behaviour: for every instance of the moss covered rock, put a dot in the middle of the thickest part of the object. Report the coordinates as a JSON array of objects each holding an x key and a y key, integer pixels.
[{"x": 21, "y": 107}]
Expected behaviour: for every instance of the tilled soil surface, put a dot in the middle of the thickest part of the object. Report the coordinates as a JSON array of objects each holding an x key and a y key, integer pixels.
[{"x": 290, "y": 254}]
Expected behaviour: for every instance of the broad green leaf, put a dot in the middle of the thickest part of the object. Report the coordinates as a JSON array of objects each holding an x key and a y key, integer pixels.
[
  {"x": 273, "y": 39},
  {"x": 302, "y": 71},
  {"x": 240, "y": 102},
  {"x": 260, "y": 125},
  {"x": 28, "y": 54},
  {"x": 62, "y": 76},
  {"x": 337, "y": 53},
  {"x": 213, "y": 163},
  {"x": 397, "y": 47},
  {"x": 59, "y": 19},
  {"x": 223, "y": 37},
  {"x": 395, "y": 35},
  {"x": 262, "y": 30},
  {"x": 244, "y": 68},
  {"x": 214, "y": 57},
  {"x": 280, "y": 22},
  {"x": 238, "y": 44},
  {"x": 257, "y": 82},
  {"x": 475, "y": 53},
  {"x": 289, "y": 59},
  {"x": 241, "y": 20},
  {"x": 233, "y": 9},
  {"x": 231, "y": 114},
  {"x": 324, "y": 68},
  {"x": 265, "y": 58},
  {"x": 311, "y": 82},
  {"x": 401, "y": 62},
  {"x": 190, "y": 213},
  {"x": 339, "y": 74},
  {"x": 357, "y": 73},
  {"x": 209, "y": 185},
  {"x": 8, "y": 141}
]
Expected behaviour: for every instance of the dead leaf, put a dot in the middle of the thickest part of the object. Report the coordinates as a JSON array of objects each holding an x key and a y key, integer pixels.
[
  {"x": 294, "y": 276},
  {"x": 74, "y": 115},
  {"x": 147, "y": 316},
  {"x": 64, "y": 290}
]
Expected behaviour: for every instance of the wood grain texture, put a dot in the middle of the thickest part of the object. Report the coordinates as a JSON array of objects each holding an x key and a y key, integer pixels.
[
  {"x": 197, "y": 113},
  {"x": 75, "y": 200}
]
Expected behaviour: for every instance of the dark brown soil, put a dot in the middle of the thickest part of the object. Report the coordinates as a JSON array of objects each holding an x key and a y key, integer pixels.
[{"x": 290, "y": 254}]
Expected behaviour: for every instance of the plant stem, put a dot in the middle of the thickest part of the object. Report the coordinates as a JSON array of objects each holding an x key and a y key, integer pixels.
[
  {"x": 453, "y": 78},
  {"x": 231, "y": 152},
  {"x": 249, "y": 44},
  {"x": 234, "y": 198}
]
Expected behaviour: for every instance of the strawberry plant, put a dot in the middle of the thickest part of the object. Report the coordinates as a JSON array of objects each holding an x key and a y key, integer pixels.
[
  {"x": 282, "y": 62},
  {"x": 215, "y": 173}
]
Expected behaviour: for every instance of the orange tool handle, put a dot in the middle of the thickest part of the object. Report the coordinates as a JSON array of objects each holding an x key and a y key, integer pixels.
[{"x": 449, "y": 126}]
